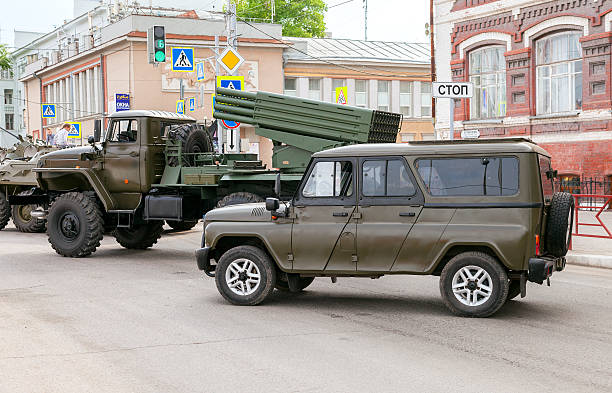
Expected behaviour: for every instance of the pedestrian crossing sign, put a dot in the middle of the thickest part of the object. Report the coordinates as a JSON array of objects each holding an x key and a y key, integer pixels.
[
  {"x": 341, "y": 94},
  {"x": 75, "y": 130},
  {"x": 182, "y": 59},
  {"x": 231, "y": 82},
  {"x": 200, "y": 71},
  {"x": 180, "y": 107},
  {"x": 48, "y": 111},
  {"x": 192, "y": 104}
]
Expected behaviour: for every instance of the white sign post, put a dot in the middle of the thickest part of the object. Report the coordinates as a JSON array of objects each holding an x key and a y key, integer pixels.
[{"x": 453, "y": 91}]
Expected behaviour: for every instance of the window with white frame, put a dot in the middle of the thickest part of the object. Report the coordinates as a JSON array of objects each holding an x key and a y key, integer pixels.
[
  {"x": 314, "y": 89},
  {"x": 488, "y": 74},
  {"x": 425, "y": 99},
  {"x": 559, "y": 73},
  {"x": 290, "y": 86},
  {"x": 383, "y": 96},
  {"x": 406, "y": 98},
  {"x": 335, "y": 84},
  {"x": 361, "y": 93}
]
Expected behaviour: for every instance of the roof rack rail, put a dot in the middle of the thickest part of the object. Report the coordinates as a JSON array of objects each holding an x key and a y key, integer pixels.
[{"x": 468, "y": 141}]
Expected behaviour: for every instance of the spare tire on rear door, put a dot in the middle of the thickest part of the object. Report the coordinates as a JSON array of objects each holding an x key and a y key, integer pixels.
[
  {"x": 194, "y": 139},
  {"x": 559, "y": 224}
]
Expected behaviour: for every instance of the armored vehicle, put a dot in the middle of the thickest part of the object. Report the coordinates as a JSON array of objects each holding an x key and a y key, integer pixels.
[
  {"x": 482, "y": 215},
  {"x": 152, "y": 166}
]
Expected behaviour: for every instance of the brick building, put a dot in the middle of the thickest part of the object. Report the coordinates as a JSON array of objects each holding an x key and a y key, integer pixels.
[{"x": 541, "y": 69}]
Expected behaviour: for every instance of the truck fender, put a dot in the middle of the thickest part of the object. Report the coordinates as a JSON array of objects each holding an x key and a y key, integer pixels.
[{"x": 467, "y": 245}]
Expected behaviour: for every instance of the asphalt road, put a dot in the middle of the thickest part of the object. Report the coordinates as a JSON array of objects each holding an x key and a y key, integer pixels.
[{"x": 125, "y": 321}]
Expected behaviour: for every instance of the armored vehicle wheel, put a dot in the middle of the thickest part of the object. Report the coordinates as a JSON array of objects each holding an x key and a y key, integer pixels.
[
  {"x": 283, "y": 285},
  {"x": 514, "y": 289},
  {"x": 239, "y": 197},
  {"x": 75, "y": 225},
  {"x": 559, "y": 224},
  {"x": 181, "y": 225},
  {"x": 474, "y": 284},
  {"x": 245, "y": 275},
  {"x": 5, "y": 211},
  {"x": 22, "y": 219},
  {"x": 194, "y": 138},
  {"x": 140, "y": 237}
]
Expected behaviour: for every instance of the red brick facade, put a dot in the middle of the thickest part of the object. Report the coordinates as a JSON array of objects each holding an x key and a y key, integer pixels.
[{"x": 517, "y": 31}]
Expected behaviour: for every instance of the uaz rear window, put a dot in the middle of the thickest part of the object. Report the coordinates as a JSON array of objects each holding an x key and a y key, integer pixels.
[{"x": 470, "y": 176}]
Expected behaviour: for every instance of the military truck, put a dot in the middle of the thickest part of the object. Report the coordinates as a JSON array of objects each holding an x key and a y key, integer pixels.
[
  {"x": 482, "y": 215},
  {"x": 154, "y": 166}
]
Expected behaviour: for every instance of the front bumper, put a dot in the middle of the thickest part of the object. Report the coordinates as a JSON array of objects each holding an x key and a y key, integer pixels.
[
  {"x": 203, "y": 260},
  {"x": 540, "y": 269}
]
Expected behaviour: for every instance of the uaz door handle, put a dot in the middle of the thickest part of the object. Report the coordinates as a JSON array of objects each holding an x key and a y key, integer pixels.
[
  {"x": 134, "y": 154},
  {"x": 340, "y": 214},
  {"x": 408, "y": 214}
]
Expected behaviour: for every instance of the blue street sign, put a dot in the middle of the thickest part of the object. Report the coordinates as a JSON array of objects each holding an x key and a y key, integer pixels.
[
  {"x": 75, "y": 130},
  {"x": 200, "y": 71},
  {"x": 122, "y": 102},
  {"x": 182, "y": 59},
  {"x": 180, "y": 107},
  {"x": 235, "y": 83},
  {"x": 48, "y": 111},
  {"x": 192, "y": 104}
]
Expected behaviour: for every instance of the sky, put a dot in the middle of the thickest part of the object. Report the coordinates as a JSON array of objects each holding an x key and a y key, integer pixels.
[{"x": 388, "y": 20}]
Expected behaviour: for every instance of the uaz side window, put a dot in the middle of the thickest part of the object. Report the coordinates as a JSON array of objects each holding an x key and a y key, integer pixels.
[{"x": 470, "y": 176}]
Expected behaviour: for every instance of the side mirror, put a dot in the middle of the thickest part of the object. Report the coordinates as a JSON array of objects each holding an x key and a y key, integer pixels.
[
  {"x": 272, "y": 204},
  {"x": 277, "y": 185},
  {"x": 552, "y": 174},
  {"x": 97, "y": 130}
]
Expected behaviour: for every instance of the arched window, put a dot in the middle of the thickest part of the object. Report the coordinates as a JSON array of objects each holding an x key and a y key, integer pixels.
[
  {"x": 488, "y": 74},
  {"x": 559, "y": 73}
]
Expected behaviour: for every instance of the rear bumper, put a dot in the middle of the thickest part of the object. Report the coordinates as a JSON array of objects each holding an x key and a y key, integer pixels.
[
  {"x": 540, "y": 269},
  {"x": 203, "y": 261}
]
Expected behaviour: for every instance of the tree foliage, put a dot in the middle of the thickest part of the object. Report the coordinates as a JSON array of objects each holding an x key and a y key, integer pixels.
[
  {"x": 299, "y": 18},
  {"x": 6, "y": 61}
]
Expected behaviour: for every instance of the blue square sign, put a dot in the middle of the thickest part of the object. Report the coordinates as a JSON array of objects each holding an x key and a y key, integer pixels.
[
  {"x": 182, "y": 59},
  {"x": 122, "y": 102},
  {"x": 48, "y": 111}
]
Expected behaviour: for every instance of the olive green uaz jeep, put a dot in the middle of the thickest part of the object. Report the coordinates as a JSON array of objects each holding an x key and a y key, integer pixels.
[{"x": 482, "y": 215}]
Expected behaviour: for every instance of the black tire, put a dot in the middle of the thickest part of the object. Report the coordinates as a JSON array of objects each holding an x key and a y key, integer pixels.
[
  {"x": 497, "y": 282},
  {"x": 264, "y": 265},
  {"x": 74, "y": 225},
  {"x": 559, "y": 224},
  {"x": 5, "y": 211},
  {"x": 181, "y": 225},
  {"x": 140, "y": 237},
  {"x": 283, "y": 285},
  {"x": 194, "y": 139},
  {"x": 514, "y": 289},
  {"x": 239, "y": 197},
  {"x": 22, "y": 219}
]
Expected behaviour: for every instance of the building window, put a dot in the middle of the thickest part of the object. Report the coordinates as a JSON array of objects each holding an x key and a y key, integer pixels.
[
  {"x": 9, "y": 120},
  {"x": 8, "y": 96},
  {"x": 559, "y": 73},
  {"x": 314, "y": 89},
  {"x": 335, "y": 84},
  {"x": 406, "y": 98},
  {"x": 361, "y": 93},
  {"x": 488, "y": 74},
  {"x": 425, "y": 99},
  {"x": 290, "y": 86},
  {"x": 569, "y": 183},
  {"x": 383, "y": 95}
]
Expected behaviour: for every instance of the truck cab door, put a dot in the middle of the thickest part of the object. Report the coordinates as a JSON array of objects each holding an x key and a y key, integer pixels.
[
  {"x": 324, "y": 228},
  {"x": 122, "y": 156}
]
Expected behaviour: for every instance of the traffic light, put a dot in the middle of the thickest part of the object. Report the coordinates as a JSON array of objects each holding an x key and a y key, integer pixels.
[{"x": 156, "y": 44}]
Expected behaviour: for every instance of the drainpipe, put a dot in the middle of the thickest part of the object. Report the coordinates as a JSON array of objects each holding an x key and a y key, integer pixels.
[{"x": 42, "y": 132}]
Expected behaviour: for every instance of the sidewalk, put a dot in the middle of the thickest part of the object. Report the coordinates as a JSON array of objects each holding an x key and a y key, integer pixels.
[{"x": 588, "y": 251}]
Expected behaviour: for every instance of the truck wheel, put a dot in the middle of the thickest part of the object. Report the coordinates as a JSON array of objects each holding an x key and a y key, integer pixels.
[
  {"x": 181, "y": 225},
  {"x": 283, "y": 285},
  {"x": 5, "y": 211},
  {"x": 474, "y": 284},
  {"x": 22, "y": 219},
  {"x": 140, "y": 237},
  {"x": 194, "y": 138},
  {"x": 239, "y": 197},
  {"x": 514, "y": 289},
  {"x": 245, "y": 275},
  {"x": 559, "y": 224},
  {"x": 75, "y": 225}
]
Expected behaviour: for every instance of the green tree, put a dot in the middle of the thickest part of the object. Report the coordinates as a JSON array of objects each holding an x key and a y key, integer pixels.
[
  {"x": 299, "y": 18},
  {"x": 6, "y": 62}
]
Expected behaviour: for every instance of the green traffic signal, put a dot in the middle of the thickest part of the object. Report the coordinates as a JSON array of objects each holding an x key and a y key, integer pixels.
[{"x": 160, "y": 56}]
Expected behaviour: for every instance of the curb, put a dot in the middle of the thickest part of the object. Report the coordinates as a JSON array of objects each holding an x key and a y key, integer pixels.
[{"x": 602, "y": 261}]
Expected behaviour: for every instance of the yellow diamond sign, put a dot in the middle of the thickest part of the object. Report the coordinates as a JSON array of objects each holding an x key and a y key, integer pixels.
[{"x": 230, "y": 59}]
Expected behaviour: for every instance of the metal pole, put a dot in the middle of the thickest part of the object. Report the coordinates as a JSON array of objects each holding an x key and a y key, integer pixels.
[
  {"x": 181, "y": 89},
  {"x": 365, "y": 7},
  {"x": 433, "y": 63},
  {"x": 220, "y": 128},
  {"x": 451, "y": 134}
]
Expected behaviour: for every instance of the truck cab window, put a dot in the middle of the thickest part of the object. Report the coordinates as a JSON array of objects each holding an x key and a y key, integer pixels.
[
  {"x": 124, "y": 131},
  {"x": 330, "y": 179}
]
